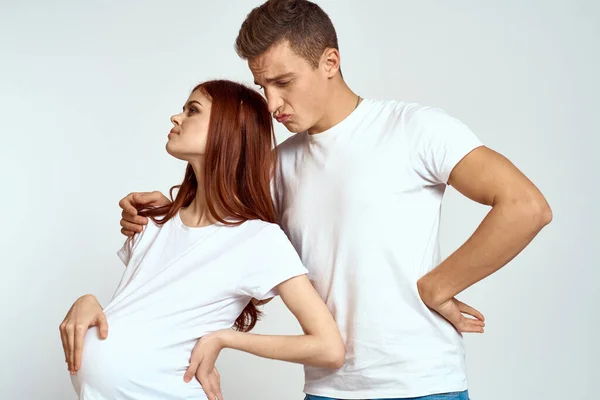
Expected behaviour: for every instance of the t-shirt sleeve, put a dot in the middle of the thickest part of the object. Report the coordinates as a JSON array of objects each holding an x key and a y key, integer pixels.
[
  {"x": 275, "y": 262},
  {"x": 126, "y": 252},
  {"x": 440, "y": 142}
]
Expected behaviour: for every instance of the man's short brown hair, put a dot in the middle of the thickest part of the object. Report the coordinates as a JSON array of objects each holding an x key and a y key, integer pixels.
[{"x": 301, "y": 22}]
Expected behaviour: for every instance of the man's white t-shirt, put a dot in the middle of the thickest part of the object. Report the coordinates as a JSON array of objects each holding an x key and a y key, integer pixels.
[
  {"x": 361, "y": 204},
  {"x": 180, "y": 284}
]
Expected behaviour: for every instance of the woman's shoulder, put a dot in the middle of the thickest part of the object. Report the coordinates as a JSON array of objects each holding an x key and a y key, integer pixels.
[
  {"x": 263, "y": 232},
  {"x": 261, "y": 227}
]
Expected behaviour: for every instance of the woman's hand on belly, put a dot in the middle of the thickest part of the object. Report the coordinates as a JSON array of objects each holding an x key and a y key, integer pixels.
[{"x": 84, "y": 313}]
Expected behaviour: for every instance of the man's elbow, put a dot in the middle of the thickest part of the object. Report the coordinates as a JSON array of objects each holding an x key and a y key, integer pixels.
[
  {"x": 537, "y": 210},
  {"x": 545, "y": 214},
  {"x": 541, "y": 212}
]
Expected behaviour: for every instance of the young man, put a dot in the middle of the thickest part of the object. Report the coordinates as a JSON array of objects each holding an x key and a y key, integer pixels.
[{"x": 359, "y": 191}]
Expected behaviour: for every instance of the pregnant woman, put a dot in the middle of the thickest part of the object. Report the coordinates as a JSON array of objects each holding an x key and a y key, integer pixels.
[{"x": 198, "y": 268}]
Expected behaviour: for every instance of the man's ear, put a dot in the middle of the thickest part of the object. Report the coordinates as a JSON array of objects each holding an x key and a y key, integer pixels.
[{"x": 330, "y": 61}]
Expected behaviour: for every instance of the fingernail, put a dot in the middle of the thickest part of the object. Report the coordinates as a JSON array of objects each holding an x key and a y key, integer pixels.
[{"x": 187, "y": 379}]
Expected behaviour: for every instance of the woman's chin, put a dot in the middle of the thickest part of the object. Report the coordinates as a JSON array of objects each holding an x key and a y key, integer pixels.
[
  {"x": 176, "y": 152},
  {"x": 173, "y": 150}
]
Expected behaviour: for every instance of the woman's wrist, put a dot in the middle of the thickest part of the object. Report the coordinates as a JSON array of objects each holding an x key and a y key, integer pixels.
[{"x": 226, "y": 338}]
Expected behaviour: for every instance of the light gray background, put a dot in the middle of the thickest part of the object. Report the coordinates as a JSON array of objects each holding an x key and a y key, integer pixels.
[{"x": 86, "y": 91}]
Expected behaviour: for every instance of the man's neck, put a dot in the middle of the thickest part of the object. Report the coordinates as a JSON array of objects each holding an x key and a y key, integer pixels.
[{"x": 342, "y": 102}]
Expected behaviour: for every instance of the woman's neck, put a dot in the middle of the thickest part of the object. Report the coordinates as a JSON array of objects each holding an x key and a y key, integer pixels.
[{"x": 197, "y": 213}]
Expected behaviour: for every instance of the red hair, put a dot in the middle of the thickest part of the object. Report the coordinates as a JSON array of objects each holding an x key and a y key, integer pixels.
[{"x": 239, "y": 163}]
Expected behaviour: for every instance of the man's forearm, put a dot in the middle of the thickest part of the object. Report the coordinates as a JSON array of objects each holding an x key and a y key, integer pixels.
[{"x": 507, "y": 229}]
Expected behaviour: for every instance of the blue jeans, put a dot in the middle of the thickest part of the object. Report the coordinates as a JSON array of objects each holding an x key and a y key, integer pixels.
[{"x": 442, "y": 396}]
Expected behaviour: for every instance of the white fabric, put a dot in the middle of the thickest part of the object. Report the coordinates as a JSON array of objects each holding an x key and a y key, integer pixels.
[
  {"x": 180, "y": 284},
  {"x": 361, "y": 204}
]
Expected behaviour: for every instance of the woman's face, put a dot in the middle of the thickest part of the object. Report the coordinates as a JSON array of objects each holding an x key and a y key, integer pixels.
[{"x": 187, "y": 139}]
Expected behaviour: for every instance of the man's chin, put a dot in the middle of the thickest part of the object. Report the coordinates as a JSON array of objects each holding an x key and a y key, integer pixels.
[{"x": 294, "y": 128}]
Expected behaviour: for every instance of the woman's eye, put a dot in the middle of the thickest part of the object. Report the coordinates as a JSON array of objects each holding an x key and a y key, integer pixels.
[{"x": 193, "y": 110}]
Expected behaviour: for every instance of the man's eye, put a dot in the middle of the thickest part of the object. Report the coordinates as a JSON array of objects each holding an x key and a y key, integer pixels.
[{"x": 282, "y": 83}]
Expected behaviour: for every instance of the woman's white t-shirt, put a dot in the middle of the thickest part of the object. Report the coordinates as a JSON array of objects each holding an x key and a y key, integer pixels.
[{"x": 180, "y": 284}]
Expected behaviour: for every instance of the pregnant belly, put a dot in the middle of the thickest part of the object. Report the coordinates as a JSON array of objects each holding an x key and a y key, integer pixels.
[{"x": 134, "y": 363}]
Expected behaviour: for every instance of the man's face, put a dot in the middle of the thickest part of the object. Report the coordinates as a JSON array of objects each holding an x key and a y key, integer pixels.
[{"x": 296, "y": 92}]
